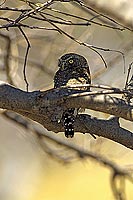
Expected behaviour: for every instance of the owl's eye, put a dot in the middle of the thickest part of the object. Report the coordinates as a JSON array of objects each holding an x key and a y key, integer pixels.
[{"x": 71, "y": 61}]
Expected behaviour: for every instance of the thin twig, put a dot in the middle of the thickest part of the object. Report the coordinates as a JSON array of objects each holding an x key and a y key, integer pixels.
[
  {"x": 81, "y": 3},
  {"x": 60, "y": 22},
  {"x": 15, "y": 9},
  {"x": 92, "y": 47},
  {"x": 93, "y": 86},
  {"x": 80, "y": 152},
  {"x": 26, "y": 56},
  {"x": 85, "y": 19},
  {"x": 3, "y": 3},
  {"x": 118, "y": 173},
  {"x": 7, "y": 61}
]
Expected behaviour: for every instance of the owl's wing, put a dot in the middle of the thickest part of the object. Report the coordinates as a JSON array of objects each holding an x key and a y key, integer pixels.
[{"x": 57, "y": 79}]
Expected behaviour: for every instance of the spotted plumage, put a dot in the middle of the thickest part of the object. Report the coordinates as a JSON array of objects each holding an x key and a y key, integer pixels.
[{"x": 73, "y": 69}]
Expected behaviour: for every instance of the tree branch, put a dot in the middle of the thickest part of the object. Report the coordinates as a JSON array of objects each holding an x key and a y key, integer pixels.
[
  {"x": 117, "y": 173},
  {"x": 43, "y": 106},
  {"x": 124, "y": 16}
]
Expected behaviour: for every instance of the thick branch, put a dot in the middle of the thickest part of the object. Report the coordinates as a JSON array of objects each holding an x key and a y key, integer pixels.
[
  {"x": 103, "y": 103},
  {"x": 42, "y": 106}
]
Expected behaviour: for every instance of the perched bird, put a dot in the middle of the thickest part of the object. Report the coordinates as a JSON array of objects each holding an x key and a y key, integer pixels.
[{"x": 73, "y": 69}]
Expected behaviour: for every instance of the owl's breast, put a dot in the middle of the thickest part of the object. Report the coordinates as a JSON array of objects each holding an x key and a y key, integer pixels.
[{"x": 79, "y": 81}]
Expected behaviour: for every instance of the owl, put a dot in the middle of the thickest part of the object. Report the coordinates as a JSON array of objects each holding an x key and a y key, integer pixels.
[{"x": 73, "y": 69}]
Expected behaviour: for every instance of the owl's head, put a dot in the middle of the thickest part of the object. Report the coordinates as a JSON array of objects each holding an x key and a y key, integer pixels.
[{"x": 72, "y": 61}]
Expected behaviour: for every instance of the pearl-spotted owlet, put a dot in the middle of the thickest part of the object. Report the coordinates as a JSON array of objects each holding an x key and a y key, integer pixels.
[{"x": 73, "y": 69}]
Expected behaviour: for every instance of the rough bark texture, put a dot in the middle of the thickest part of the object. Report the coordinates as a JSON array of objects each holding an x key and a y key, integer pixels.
[{"x": 42, "y": 106}]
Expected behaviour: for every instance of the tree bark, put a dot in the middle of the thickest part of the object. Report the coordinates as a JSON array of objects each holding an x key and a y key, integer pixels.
[{"x": 42, "y": 106}]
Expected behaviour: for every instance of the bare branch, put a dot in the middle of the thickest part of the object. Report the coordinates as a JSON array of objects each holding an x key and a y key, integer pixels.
[
  {"x": 43, "y": 106},
  {"x": 7, "y": 58},
  {"x": 124, "y": 16},
  {"x": 117, "y": 173},
  {"x": 82, "y": 153},
  {"x": 26, "y": 57},
  {"x": 85, "y": 19}
]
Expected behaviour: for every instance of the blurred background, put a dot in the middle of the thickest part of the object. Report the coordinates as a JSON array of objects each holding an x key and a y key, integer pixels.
[{"x": 27, "y": 171}]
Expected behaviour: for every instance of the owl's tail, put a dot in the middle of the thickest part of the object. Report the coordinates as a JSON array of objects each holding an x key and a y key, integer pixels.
[{"x": 68, "y": 122}]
